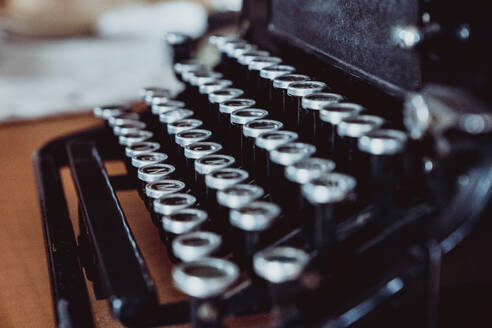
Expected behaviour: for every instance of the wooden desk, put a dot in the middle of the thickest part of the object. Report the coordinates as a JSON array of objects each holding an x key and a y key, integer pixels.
[{"x": 25, "y": 297}]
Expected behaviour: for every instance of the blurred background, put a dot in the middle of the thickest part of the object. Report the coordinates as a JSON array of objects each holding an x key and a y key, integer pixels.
[{"x": 60, "y": 56}]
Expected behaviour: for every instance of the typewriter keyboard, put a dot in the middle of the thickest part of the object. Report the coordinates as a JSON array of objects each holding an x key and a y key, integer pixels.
[{"x": 254, "y": 171}]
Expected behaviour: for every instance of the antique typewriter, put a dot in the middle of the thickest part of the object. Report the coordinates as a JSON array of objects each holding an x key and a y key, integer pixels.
[{"x": 333, "y": 169}]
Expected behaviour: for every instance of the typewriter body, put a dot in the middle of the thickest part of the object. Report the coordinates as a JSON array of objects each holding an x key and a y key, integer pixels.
[{"x": 332, "y": 170}]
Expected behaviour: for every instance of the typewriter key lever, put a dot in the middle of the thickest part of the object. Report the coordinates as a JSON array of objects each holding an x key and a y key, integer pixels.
[
  {"x": 205, "y": 281},
  {"x": 326, "y": 196},
  {"x": 182, "y": 45},
  {"x": 281, "y": 268}
]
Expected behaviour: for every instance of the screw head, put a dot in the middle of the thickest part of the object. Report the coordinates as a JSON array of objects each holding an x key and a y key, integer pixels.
[
  {"x": 208, "y": 312},
  {"x": 407, "y": 37}
]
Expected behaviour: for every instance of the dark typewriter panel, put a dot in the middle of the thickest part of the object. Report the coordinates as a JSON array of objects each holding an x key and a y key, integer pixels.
[{"x": 325, "y": 173}]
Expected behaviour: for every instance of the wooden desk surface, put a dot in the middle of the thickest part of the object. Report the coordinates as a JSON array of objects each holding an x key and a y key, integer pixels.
[{"x": 25, "y": 297}]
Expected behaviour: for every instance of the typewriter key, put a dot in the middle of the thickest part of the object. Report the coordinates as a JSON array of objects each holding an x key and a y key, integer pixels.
[
  {"x": 299, "y": 174},
  {"x": 219, "y": 42},
  {"x": 196, "y": 245},
  {"x": 157, "y": 100},
  {"x": 174, "y": 115},
  {"x": 179, "y": 223},
  {"x": 330, "y": 116},
  {"x": 232, "y": 53},
  {"x": 309, "y": 113},
  {"x": 267, "y": 75},
  {"x": 238, "y": 195},
  {"x": 128, "y": 125},
  {"x": 153, "y": 172},
  {"x": 159, "y": 189},
  {"x": 185, "y": 66},
  {"x": 349, "y": 130},
  {"x": 382, "y": 151},
  {"x": 225, "y": 109},
  {"x": 128, "y": 139},
  {"x": 207, "y": 165},
  {"x": 189, "y": 91},
  {"x": 325, "y": 197},
  {"x": 229, "y": 46},
  {"x": 163, "y": 187},
  {"x": 183, "y": 221},
  {"x": 227, "y": 60},
  {"x": 291, "y": 153},
  {"x": 293, "y": 102},
  {"x": 254, "y": 68},
  {"x": 232, "y": 198},
  {"x": 308, "y": 169},
  {"x": 176, "y": 127},
  {"x": 148, "y": 158},
  {"x": 186, "y": 94},
  {"x": 182, "y": 125},
  {"x": 243, "y": 61},
  {"x": 205, "y": 280},
  {"x": 237, "y": 120},
  {"x": 121, "y": 118},
  {"x": 251, "y": 131},
  {"x": 135, "y": 149},
  {"x": 278, "y": 265},
  {"x": 280, "y": 85},
  {"x": 148, "y": 94},
  {"x": 246, "y": 57},
  {"x": 141, "y": 148},
  {"x": 105, "y": 112},
  {"x": 198, "y": 78},
  {"x": 238, "y": 51},
  {"x": 181, "y": 45},
  {"x": 169, "y": 204},
  {"x": 265, "y": 143},
  {"x": 216, "y": 181},
  {"x": 219, "y": 39},
  {"x": 251, "y": 223},
  {"x": 158, "y": 109},
  {"x": 281, "y": 268},
  {"x": 209, "y": 87},
  {"x": 196, "y": 151},
  {"x": 215, "y": 99},
  {"x": 186, "y": 138},
  {"x": 282, "y": 157},
  {"x": 222, "y": 179},
  {"x": 204, "y": 90}
]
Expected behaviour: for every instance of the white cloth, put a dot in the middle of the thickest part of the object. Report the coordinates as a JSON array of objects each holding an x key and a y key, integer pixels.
[{"x": 46, "y": 77}]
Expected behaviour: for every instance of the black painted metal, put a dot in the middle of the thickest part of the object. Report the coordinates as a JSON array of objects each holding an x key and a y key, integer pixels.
[
  {"x": 122, "y": 273},
  {"x": 358, "y": 35},
  {"x": 70, "y": 298}
]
